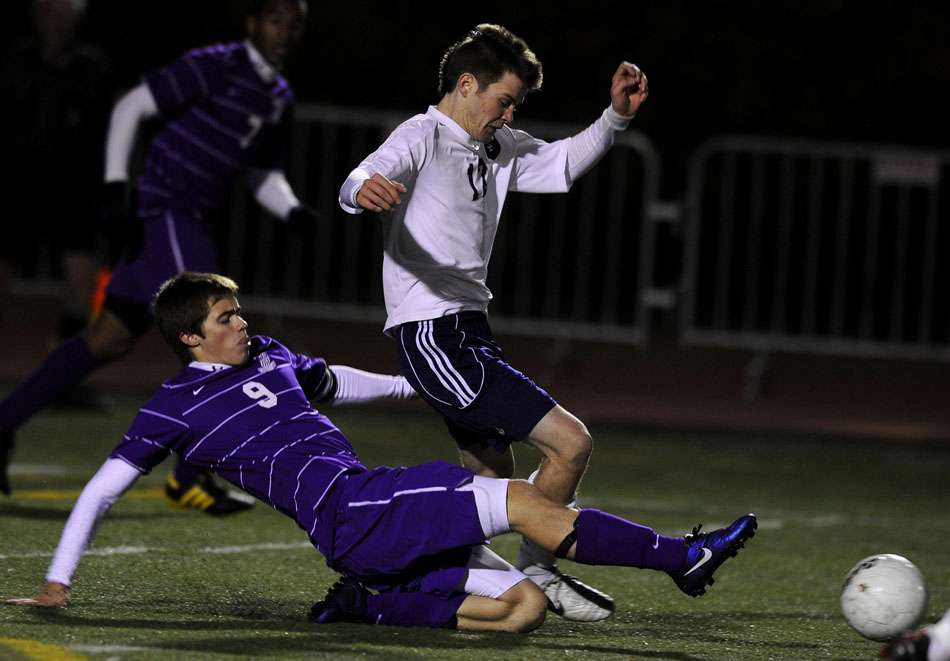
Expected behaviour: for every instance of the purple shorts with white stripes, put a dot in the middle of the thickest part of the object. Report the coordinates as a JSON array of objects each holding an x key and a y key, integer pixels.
[
  {"x": 455, "y": 364},
  {"x": 174, "y": 242},
  {"x": 393, "y": 527}
]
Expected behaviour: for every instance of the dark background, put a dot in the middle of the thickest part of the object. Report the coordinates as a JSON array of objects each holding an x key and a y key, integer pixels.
[{"x": 871, "y": 71}]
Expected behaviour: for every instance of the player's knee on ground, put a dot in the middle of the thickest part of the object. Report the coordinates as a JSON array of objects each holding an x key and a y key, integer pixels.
[
  {"x": 520, "y": 609},
  {"x": 528, "y": 607}
]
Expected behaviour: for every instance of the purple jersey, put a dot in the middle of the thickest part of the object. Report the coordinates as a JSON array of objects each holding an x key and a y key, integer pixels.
[
  {"x": 221, "y": 117},
  {"x": 252, "y": 425}
]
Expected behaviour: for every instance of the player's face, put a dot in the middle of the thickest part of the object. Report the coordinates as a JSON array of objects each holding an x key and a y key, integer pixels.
[
  {"x": 225, "y": 335},
  {"x": 492, "y": 107},
  {"x": 276, "y": 31}
]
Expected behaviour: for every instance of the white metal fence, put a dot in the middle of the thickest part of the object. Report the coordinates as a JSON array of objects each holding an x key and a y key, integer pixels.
[
  {"x": 798, "y": 246},
  {"x": 818, "y": 247}
]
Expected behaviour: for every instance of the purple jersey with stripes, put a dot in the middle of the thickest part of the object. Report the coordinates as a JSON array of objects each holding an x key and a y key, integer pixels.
[
  {"x": 221, "y": 117},
  {"x": 252, "y": 425}
]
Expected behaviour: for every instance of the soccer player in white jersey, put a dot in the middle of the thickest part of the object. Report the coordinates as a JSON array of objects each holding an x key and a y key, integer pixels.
[{"x": 439, "y": 182}]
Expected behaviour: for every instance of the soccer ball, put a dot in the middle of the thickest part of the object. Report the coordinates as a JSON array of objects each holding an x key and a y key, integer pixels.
[{"x": 884, "y": 595}]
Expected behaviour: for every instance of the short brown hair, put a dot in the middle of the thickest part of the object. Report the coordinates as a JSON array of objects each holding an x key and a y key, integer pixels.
[
  {"x": 182, "y": 303},
  {"x": 489, "y": 52}
]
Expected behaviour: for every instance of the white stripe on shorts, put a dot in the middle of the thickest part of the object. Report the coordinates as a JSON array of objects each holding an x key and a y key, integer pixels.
[{"x": 441, "y": 366}]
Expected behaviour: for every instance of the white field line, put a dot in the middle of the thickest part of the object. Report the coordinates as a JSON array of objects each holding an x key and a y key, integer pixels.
[
  {"x": 110, "y": 649},
  {"x": 132, "y": 550},
  {"x": 39, "y": 469}
]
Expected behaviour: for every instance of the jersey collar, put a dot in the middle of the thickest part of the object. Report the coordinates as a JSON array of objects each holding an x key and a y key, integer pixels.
[
  {"x": 456, "y": 129},
  {"x": 208, "y": 367},
  {"x": 263, "y": 68}
]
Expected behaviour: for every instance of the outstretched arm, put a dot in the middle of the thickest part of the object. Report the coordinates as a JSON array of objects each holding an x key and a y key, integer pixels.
[
  {"x": 353, "y": 386},
  {"x": 99, "y": 494},
  {"x": 627, "y": 92}
]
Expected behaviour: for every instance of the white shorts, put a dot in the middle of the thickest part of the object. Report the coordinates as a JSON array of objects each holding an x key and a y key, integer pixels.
[{"x": 490, "y": 575}]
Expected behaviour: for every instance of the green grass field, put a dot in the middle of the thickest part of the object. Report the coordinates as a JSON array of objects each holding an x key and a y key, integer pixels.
[{"x": 164, "y": 584}]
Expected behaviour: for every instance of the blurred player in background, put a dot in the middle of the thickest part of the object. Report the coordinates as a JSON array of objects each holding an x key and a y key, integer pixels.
[
  {"x": 56, "y": 90},
  {"x": 929, "y": 644},
  {"x": 225, "y": 111},
  {"x": 241, "y": 407},
  {"x": 440, "y": 181}
]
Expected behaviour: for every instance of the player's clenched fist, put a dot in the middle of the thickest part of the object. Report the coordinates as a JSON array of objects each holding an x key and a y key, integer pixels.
[
  {"x": 629, "y": 89},
  {"x": 380, "y": 194}
]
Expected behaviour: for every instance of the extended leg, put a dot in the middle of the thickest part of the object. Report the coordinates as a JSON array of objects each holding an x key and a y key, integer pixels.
[{"x": 605, "y": 539}]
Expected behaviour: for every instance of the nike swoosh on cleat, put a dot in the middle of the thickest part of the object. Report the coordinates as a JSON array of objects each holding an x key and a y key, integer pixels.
[
  {"x": 197, "y": 390},
  {"x": 707, "y": 554}
]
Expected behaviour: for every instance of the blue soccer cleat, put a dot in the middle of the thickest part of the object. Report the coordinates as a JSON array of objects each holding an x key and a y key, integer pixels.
[
  {"x": 705, "y": 552},
  {"x": 345, "y": 602}
]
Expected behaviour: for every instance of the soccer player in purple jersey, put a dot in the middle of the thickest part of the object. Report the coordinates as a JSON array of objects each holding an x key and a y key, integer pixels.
[
  {"x": 440, "y": 181},
  {"x": 225, "y": 111},
  {"x": 410, "y": 542}
]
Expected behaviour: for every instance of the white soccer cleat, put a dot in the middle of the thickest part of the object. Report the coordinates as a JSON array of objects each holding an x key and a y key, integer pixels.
[{"x": 569, "y": 597}]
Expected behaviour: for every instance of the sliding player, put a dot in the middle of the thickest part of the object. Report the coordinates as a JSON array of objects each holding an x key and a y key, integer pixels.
[{"x": 409, "y": 541}]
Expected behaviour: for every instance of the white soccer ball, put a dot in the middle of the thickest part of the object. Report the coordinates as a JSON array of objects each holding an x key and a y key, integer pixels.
[{"x": 884, "y": 595}]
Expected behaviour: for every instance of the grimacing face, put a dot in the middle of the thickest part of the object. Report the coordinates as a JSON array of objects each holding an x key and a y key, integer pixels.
[
  {"x": 490, "y": 108},
  {"x": 277, "y": 30},
  {"x": 225, "y": 340}
]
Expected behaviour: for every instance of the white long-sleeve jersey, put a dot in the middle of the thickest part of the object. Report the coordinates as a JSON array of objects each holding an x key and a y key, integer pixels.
[{"x": 438, "y": 241}]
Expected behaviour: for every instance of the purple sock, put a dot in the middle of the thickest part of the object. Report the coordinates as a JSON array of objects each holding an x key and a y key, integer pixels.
[
  {"x": 605, "y": 539},
  {"x": 65, "y": 368},
  {"x": 412, "y": 609}
]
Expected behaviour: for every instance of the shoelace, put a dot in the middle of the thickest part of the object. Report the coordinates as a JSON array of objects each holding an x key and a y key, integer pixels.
[{"x": 690, "y": 537}]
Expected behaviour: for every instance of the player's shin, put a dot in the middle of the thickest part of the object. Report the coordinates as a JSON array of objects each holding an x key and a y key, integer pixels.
[{"x": 605, "y": 539}]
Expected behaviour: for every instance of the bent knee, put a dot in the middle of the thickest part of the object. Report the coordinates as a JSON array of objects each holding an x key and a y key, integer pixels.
[
  {"x": 576, "y": 447},
  {"x": 531, "y": 611}
]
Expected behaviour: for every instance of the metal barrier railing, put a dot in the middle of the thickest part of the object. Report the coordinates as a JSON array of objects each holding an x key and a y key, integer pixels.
[
  {"x": 807, "y": 246},
  {"x": 790, "y": 245}
]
